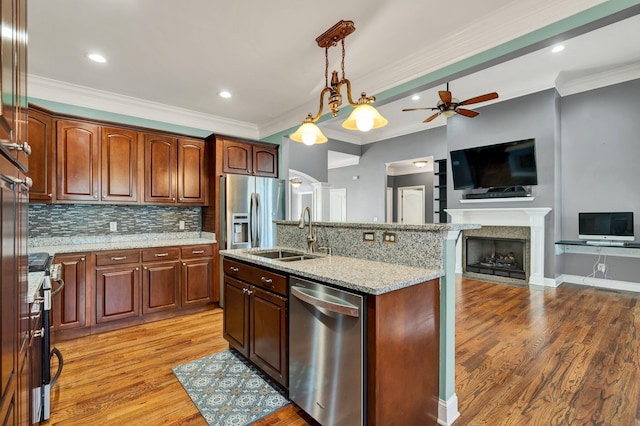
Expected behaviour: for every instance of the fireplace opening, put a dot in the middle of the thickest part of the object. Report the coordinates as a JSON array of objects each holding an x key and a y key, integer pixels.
[{"x": 504, "y": 257}]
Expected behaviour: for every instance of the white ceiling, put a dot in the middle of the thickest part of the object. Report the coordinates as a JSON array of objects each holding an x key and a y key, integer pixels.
[{"x": 167, "y": 60}]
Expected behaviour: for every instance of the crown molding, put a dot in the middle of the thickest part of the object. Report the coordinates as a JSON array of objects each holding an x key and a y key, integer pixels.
[
  {"x": 341, "y": 159},
  {"x": 569, "y": 86},
  {"x": 86, "y": 97}
]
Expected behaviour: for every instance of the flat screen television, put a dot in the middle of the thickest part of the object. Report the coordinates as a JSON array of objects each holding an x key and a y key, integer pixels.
[
  {"x": 503, "y": 165},
  {"x": 614, "y": 226}
]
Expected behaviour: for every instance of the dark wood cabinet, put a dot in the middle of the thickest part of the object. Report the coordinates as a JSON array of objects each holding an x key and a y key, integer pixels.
[
  {"x": 160, "y": 286},
  {"x": 255, "y": 317},
  {"x": 119, "y": 165},
  {"x": 192, "y": 172},
  {"x": 197, "y": 285},
  {"x": 41, "y": 160},
  {"x": 69, "y": 306},
  {"x": 77, "y": 146},
  {"x": 161, "y": 164},
  {"x": 117, "y": 292},
  {"x": 246, "y": 158}
]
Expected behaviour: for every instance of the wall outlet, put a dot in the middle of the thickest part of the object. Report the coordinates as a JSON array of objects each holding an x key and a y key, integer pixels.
[
  {"x": 181, "y": 225},
  {"x": 368, "y": 236},
  {"x": 113, "y": 226},
  {"x": 602, "y": 267},
  {"x": 389, "y": 237}
]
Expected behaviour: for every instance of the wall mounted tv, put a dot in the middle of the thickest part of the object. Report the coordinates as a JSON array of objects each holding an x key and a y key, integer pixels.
[
  {"x": 615, "y": 226},
  {"x": 504, "y": 165}
]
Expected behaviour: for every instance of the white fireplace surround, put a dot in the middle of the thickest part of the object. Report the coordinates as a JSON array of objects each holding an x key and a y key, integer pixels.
[{"x": 531, "y": 217}]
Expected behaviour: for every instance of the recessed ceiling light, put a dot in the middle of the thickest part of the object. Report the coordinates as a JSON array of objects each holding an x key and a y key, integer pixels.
[
  {"x": 415, "y": 97},
  {"x": 224, "y": 94},
  {"x": 95, "y": 57},
  {"x": 557, "y": 48}
]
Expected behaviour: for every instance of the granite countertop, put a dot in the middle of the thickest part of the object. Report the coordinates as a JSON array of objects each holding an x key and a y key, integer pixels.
[
  {"x": 54, "y": 246},
  {"x": 35, "y": 280},
  {"x": 424, "y": 227},
  {"x": 362, "y": 275}
]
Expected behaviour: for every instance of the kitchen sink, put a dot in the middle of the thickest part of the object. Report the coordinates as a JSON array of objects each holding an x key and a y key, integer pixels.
[{"x": 285, "y": 255}]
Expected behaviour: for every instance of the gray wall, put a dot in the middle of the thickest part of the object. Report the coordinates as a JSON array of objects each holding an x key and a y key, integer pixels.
[
  {"x": 415, "y": 179},
  {"x": 312, "y": 160},
  {"x": 74, "y": 220},
  {"x": 533, "y": 116},
  {"x": 366, "y": 196},
  {"x": 601, "y": 166}
]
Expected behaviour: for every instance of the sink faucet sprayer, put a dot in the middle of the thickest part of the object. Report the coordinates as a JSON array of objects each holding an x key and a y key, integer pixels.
[{"x": 311, "y": 239}]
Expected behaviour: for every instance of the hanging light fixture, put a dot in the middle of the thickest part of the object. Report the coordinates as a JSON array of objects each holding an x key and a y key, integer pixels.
[
  {"x": 295, "y": 182},
  {"x": 364, "y": 116}
]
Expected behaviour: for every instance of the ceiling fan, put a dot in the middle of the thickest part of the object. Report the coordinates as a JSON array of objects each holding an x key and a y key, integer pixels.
[{"x": 448, "y": 105}]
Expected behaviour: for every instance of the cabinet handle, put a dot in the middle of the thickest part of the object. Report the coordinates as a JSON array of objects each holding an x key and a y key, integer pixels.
[
  {"x": 233, "y": 269},
  {"x": 244, "y": 290},
  {"x": 197, "y": 251},
  {"x": 50, "y": 195},
  {"x": 173, "y": 199},
  {"x": 82, "y": 259},
  {"x": 36, "y": 316},
  {"x": 95, "y": 196},
  {"x": 37, "y": 333},
  {"x": 184, "y": 264},
  {"x": 266, "y": 280},
  {"x": 161, "y": 254},
  {"x": 249, "y": 292},
  {"x": 24, "y": 146},
  {"x": 104, "y": 197},
  {"x": 119, "y": 258},
  {"x": 145, "y": 268},
  {"x": 181, "y": 199},
  {"x": 137, "y": 269},
  {"x": 27, "y": 181}
]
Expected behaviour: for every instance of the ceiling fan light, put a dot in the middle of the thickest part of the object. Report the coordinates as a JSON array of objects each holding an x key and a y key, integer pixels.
[
  {"x": 364, "y": 118},
  {"x": 308, "y": 134},
  {"x": 449, "y": 113}
]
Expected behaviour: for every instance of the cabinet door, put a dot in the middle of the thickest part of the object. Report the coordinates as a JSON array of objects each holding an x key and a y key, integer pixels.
[
  {"x": 119, "y": 164},
  {"x": 160, "y": 286},
  {"x": 77, "y": 154},
  {"x": 192, "y": 182},
  {"x": 69, "y": 306},
  {"x": 197, "y": 284},
  {"x": 265, "y": 161},
  {"x": 268, "y": 339},
  {"x": 236, "y": 157},
  {"x": 117, "y": 293},
  {"x": 41, "y": 160},
  {"x": 160, "y": 169},
  {"x": 236, "y": 314}
]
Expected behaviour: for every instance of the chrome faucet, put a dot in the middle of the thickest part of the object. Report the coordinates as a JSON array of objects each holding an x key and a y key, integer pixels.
[{"x": 311, "y": 239}]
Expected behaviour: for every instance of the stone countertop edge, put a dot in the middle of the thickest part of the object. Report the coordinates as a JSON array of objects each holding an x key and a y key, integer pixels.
[
  {"x": 80, "y": 248},
  {"x": 426, "y": 227},
  {"x": 35, "y": 280},
  {"x": 362, "y": 275}
]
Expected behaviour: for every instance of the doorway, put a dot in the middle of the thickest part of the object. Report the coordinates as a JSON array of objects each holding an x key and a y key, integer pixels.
[
  {"x": 338, "y": 205},
  {"x": 411, "y": 204}
]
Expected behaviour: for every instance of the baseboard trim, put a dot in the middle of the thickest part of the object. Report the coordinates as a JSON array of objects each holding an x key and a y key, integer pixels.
[
  {"x": 600, "y": 282},
  {"x": 448, "y": 410}
]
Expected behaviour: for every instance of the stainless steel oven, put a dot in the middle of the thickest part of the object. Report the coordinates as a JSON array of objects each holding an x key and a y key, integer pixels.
[{"x": 53, "y": 275}]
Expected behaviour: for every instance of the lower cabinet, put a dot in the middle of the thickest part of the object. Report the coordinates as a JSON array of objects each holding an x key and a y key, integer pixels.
[
  {"x": 160, "y": 287},
  {"x": 255, "y": 317},
  {"x": 117, "y": 292},
  {"x": 69, "y": 307},
  {"x": 196, "y": 281}
]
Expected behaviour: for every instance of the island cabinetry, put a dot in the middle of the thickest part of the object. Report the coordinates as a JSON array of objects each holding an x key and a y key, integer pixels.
[
  {"x": 160, "y": 279},
  {"x": 197, "y": 275},
  {"x": 255, "y": 316},
  {"x": 246, "y": 158},
  {"x": 69, "y": 307},
  {"x": 117, "y": 285},
  {"x": 41, "y": 160}
]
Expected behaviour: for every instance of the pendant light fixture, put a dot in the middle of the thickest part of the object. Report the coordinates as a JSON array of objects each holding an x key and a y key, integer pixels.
[{"x": 364, "y": 116}]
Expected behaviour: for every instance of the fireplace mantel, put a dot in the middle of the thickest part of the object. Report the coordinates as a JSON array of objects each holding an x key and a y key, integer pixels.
[{"x": 514, "y": 216}]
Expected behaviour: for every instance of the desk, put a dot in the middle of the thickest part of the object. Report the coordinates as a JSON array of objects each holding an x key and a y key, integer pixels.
[{"x": 581, "y": 247}]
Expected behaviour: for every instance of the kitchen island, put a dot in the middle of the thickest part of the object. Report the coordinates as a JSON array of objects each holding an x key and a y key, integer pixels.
[{"x": 406, "y": 349}]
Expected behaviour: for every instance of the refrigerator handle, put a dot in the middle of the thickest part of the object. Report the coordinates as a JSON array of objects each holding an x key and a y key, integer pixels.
[
  {"x": 252, "y": 220},
  {"x": 258, "y": 219}
]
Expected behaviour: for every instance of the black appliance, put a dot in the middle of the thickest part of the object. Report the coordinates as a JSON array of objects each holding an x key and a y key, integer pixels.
[
  {"x": 606, "y": 226},
  {"x": 504, "y": 165}
]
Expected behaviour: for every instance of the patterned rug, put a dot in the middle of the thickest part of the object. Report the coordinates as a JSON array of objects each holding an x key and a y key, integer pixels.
[{"x": 227, "y": 391}]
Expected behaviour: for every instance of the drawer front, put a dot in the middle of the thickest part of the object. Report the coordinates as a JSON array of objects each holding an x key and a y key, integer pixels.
[
  {"x": 205, "y": 250},
  {"x": 117, "y": 257},
  {"x": 256, "y": 276},
  {"x": 160, "y": 254}
]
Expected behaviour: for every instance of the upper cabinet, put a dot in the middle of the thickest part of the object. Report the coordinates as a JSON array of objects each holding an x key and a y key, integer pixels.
[
  {"x": 245, "y": 158},
  {"x": 175, "y": 171},
  {"x": 82, "y": 161}
]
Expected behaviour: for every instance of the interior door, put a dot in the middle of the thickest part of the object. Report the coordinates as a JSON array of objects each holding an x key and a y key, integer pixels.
[
  {"x": 411, "y": 205},
  {"x": 338, "y": 205}
]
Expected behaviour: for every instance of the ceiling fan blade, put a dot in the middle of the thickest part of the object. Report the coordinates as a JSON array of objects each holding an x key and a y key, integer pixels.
[
  {"x": 418, "y": 109},
  {"x": 431, "y": 118},
  {"x": 467, "y": 112},
  {"x": 445, "y": 96},
  {"x": 482, "y": 98}
]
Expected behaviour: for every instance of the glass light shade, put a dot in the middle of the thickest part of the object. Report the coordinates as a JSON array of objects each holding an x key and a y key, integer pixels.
[
  {"x": 449, "y": 113},
  {"x": 420, "y": 163},
  {"x": 364, "y": 118},
  {"x": 308, "y": 134}
]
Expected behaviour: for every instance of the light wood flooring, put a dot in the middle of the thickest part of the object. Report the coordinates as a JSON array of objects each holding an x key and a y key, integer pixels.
[{"x": 560, "y": 356}]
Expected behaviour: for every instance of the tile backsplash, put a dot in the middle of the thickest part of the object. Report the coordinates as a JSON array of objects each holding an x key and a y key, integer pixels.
[{"x": 68, "y": 220}]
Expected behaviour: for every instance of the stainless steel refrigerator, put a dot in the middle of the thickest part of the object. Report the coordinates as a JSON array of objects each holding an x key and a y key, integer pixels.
[{"x": 248, "y": 207}]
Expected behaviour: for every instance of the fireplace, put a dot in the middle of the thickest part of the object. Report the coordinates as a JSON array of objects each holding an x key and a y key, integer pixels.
[{"x": 502, "y": 257}]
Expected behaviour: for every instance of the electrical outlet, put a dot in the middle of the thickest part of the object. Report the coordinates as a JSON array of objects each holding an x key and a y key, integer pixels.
[
  {"x": 369, "y": 236},
  {"x": 181, "y": 225},
  {"x": 602, "y": 267},
  {"x": 113, "y": 226},
  {"x": 389, "y": 237}
]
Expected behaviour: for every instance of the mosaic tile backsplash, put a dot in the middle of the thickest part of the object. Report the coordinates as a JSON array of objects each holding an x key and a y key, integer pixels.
[{"x": 69, "y": 220}]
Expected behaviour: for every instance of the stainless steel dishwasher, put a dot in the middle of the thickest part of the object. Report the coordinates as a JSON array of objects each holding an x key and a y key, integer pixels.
[{"x": 326, "y": 352}]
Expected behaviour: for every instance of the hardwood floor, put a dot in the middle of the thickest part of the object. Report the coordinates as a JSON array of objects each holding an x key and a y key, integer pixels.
[{"x": 524, "y": 357}]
